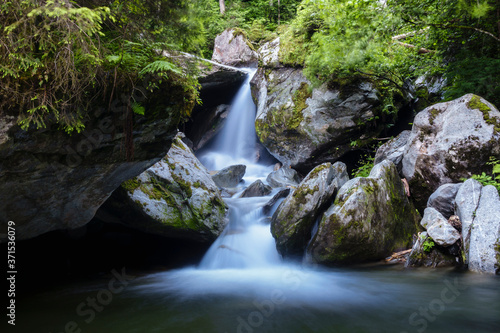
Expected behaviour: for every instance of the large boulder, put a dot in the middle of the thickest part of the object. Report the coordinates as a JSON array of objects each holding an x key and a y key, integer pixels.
[
  {"x": 174, "y": 198},
  {"x": 466, "y": 203},
  {"x": 484, "y": 253},
  {"x": 438, "y": 228},
  {"x": 393, "y": 150},
  {"x": 450, "y": 141},
  {"x": 443, "y": 199},
  {"x": 269, "y": 54},
  {"x": 54, "y": 181},
  {"x": 303, "y": 127},
  {"x": 370, "y": 218},
  {"x": 294, "y": 219},
  {"x": 233, "y": 48}
]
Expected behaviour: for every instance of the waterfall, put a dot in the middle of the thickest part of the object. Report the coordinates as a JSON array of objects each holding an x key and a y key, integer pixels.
[{"x": 246, "y": 242}]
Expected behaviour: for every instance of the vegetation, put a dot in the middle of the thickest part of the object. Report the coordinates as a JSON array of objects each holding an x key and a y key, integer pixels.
[
  {"x": 428, "y": 245},
  {"x": 492, "y": 178},
  {"x": 57, "y": 57},
  {"x": 365, "y": 166}
]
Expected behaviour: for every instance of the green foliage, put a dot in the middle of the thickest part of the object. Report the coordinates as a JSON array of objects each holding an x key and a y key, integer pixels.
[
  {"x": 428, "y": 245},
  {"x": 57, "y": 56},
  {"x": 492, "y": 178},
  {"x": 365, "y": 166}
]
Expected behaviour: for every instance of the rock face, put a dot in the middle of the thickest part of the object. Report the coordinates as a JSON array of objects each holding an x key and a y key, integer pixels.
[
  {"x": 52, "y": 181},
  {"x": 294, "y": 219},
  {"x": 303, "y": 127},
  {"x": 230, "y": 176},
  {"x": 393, "y": 150},
  {"x": 438, "y": 228},
  {"x": 283, "y": 177},
  {"x": 256, "y": 189},
  {"x": 466, "y": 203},
  {"x": 175, "y": 198},
  {"x": 433, "y": 257},
  {"x": 233, "y": 49},
  {"x": 269, "y": 54},
  {"x": 371, "y": 218},
  {"x": 443, "y": 199},
  {"x": 450, "y": 141},
  {"x": 484, "y": 253}
]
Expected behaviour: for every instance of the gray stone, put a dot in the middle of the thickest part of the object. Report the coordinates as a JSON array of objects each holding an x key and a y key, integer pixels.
[
  {"x": 393, "y": 150},
  {"x": 370, "y": 218},
  {"x": 438, "y": 227},
  {"x": 450, "y": 141},
  {"x": 175, "y": 198},
  {"x": 233, "y": 49},
  {"x": 443, "y": 199},
  {"x": 434, "y": 257},
  {"x": 283, "y": 193},
  {"x": 230, "y": 176},
  {"x": 283, "y": 177},
  {"x": 294, "y": 219},
  {"x": 484, "y": 253},
  {"x": 303, "y": 127},
  {"x": 256, "y": 189},
  {"x": 269, "y": 53},
  {"x": 466, "y": 203}
]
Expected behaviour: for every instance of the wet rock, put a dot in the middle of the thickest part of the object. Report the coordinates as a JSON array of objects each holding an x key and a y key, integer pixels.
[
  {"x": 233, "y": 49},
  {"x": 283, "y": 177},
  {"x": 270, "y": 204},
  {"x": 443, "y": 199},
  {"x": 230, "y": 176},
  {"x": 450, "y": 141},
  {"x": 484, "y": 253},
  {"x": 438, "y": 227},
  {"x": 303, "y": 127},
  {"x": 428, "y": 255},
  {"x": 393, "y": 150},
  {"x": 370, "y": 218},
  {"x": 466, "y": 203},
  {"x": 294, "y": 219},
  {"x": 174, "y": 198},
  {"x": 256, "y": 189}
]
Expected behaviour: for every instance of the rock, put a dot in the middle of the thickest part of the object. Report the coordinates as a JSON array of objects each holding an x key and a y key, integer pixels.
[
  {"x": 370, "y": 218},
  {"x": 434, "y": 257},
  {"x": 230, "y": 176},
  {"x": 283, "y": 177},
  {"x": 269, "y": 54},
  {"x": 270, "y": 204},
  {"x": 455, "y": 222},
  {"x": 466, "y": 203},
  {"x": 233, "y": 49},
  {"x": 55, "y": 181},
  {"x": 303, "y": 127},
  {"x": 393, "y": 150},
  {"x": 443, "y": 199},
  {"x": 450, "y": 141},
  {"x": 438, "y": 228},
  {"x": 484, "y": 253},
  {"x": 294, "y": 219},
  {"x": 256, "y": 189},
  {"x": 175, "y": 198}
]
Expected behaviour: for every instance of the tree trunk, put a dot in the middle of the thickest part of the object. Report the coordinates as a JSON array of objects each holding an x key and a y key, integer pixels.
[{"x": 222, "y": 6}]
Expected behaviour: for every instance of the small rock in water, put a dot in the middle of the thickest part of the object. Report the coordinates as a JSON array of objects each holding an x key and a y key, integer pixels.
[
  {"x": 269, "y": 205},
  {"x": 256, "y": 189},
  {"x": 230, "y": 176}
]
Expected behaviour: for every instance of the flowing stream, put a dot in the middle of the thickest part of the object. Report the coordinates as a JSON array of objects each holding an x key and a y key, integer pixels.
[{"x": 242, "y": 285}]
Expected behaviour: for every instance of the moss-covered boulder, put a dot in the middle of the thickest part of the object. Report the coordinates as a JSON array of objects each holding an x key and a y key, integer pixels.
[
  {"x": 303, "y": 127},
  {"x": 450, "y": 141},
  {"x": 426, "y": 253},
  {"x": 233, "y": 48},
  {"x": 370, "y": 218},
  {"x": 175, "y": 198},
  {"x": 294, "y": 219}
]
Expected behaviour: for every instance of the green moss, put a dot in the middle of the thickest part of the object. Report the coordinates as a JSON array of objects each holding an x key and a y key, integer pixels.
[
  {"x": 131, "y": 185},
  {"x": 299, "y": 100},
  {"x": 433, "y": 113},
  {"x": 475, "y": 103}
]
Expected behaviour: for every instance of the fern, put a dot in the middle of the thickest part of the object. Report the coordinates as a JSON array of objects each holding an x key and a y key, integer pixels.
[{"x": 160, "y": 67}]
